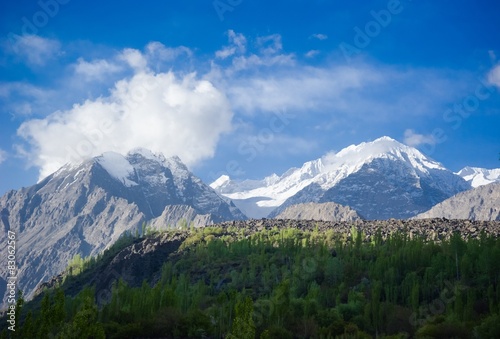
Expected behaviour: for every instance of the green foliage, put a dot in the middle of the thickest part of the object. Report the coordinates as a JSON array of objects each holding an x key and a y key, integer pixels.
[
  {"x": 291, "y": 283},
  {"x": 243, "y": 325}
]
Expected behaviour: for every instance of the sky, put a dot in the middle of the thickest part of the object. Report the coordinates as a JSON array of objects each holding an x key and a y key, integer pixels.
[{"x": 245, "y": 88}]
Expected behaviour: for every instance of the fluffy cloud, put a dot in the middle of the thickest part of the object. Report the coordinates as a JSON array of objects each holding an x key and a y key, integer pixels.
[
  {"x": 176, "y": 116},
  {"x": 414, "y": 139},
  {"x": 34, "y": 49}
]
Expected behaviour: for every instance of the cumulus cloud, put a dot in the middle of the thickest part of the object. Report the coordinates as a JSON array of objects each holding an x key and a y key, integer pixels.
[
  {"x": 411, "y": 138},
  {"x": 34, "y": 49},
  {"x": 182, "y": 116},
  {"x": 3, "y": 155}
]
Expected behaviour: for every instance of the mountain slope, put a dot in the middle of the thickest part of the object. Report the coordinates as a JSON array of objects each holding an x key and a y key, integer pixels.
[
  {"x": 480, "y": 176},
  {"x": 83, "y": 209},
  {"x": 481, "y": 203},
  {"x": 380, "y": 179},
  {"x": 328, "y": 211}
]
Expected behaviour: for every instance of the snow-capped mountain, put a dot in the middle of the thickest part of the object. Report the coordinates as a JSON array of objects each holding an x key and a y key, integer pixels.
[
  {"x": 82, "y": 209},
  {"x": 380, "y": 179},
  {"x": 480, "y": 176}
]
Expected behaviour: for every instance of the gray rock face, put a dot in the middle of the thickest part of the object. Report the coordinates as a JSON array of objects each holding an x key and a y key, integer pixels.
[
  {"x": 328, "y": 211},
  {"x": 481, "y": 203},
  {"x": 84, "y": 209},
  {"x": 384, "y": 189}
]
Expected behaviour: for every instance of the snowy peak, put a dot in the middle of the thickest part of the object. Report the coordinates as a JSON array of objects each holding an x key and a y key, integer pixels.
[
  {"x": 141, "y": 164},
  {"x": 353, "y": 157},
  {"x": 480, "y": 176},
  {"x": 384, "y": 162}
]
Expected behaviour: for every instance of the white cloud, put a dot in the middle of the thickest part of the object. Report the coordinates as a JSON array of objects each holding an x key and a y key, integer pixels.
[
  {"x": 237, "y": 45},
  {"x": 157, "y": 50},
  {"x": 414, "y": 139},
  {"x": 134, "y": 58},
  {"x": 494, "y": 76},
  {"x": 3, "y": 155},
  {"x": 23, "y": 99},
  {"x": 299, "y": 88},
  {"x": 34, "y": 49},
  {"x": 312, "y": 53},
  {"x": 175, "y": 116},
  {"x": 320, "y": 36},
  {"x": 270, "y": 44},
  {"x": 95, "y": 70}
]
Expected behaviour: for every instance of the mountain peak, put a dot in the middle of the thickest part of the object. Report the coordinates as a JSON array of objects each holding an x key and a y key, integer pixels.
[
  {"x": 383, "y": 161},
  {"x": 479, "y": 176},
  {"x": 147, "y": 154}
]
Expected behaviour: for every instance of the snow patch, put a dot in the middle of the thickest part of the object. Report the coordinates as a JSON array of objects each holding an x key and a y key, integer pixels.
[{"x": 479, "y": 176}]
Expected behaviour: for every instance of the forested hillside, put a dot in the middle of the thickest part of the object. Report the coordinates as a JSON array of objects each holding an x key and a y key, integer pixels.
[{"x": 232, "y": 282}]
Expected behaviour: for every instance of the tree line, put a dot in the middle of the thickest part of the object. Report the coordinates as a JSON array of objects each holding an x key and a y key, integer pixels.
[{"x": 291, "y": 283}]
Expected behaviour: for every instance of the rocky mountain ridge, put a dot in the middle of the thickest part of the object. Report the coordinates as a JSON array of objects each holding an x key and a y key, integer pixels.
[
  {"x": 83, "y": 209},
  {"x": 328, "y": 211},
  {"x": 480, "y": 203}
]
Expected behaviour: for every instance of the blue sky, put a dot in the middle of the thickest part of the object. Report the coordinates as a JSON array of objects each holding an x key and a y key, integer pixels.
[{"x": 245, "y": 88}]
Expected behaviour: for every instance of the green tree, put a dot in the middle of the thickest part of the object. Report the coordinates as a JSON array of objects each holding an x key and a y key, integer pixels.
[
  {"x": 243, "y": 325},
  {"x": 84, "y": 324}
]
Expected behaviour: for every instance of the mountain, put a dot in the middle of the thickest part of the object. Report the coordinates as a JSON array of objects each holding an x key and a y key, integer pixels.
[
  {"x": 480, "y": 176},
  {"x": 83, "y": 209},
  {"x": 480, "y": 203},
  {"x": 380, "y": 179},
  {"x": 328, "y": 211}
]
